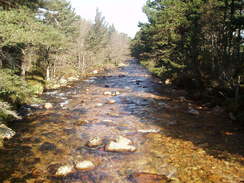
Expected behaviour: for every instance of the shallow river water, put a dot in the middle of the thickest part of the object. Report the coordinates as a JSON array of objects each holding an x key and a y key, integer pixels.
[{"x": 48, "y": 139}]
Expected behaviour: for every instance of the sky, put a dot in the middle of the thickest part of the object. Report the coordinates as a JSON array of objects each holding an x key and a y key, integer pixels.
[{"x": 124, "y": 14}]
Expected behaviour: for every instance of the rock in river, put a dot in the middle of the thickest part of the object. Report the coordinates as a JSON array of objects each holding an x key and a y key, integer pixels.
[
  {"x": 64, "y": 170},
  {"x": 47, "y": 146},
  {"x": 107, "y": 93},
  {"x": 121, "y": 144},
  {"x": 193, "y": 112},
  {"x": 6, "y": 132},
  {"x": 94, "y": 142},
  {"x": 111, "y": 101},
  {"x": 48, "y": 106},
  {"x": 99, "y": 105},
  {"x": 85, "y": 165}
]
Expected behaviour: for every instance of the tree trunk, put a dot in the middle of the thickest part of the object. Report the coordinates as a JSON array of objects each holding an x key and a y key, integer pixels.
[{"x": 48, "y": 73}]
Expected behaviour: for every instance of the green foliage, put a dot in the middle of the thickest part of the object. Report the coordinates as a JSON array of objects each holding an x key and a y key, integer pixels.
[
  {"x": 60, "y": 15},
  {"x": 199, "y": 40},
  {"x": 14, "y": 89},
  {"x": 98, "y": 35}
]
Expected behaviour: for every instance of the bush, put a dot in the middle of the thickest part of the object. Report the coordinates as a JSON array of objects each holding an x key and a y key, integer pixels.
[{"x": 14, "y": 89}]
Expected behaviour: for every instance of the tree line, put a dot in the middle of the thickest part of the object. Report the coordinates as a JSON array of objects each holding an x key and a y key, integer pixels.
[
  {"x": 42, "y": 41},
  {"x": 198, "y": 44}
]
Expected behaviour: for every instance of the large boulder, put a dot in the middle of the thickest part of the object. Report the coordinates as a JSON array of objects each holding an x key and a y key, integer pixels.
[{"x": 121, "y": 144}]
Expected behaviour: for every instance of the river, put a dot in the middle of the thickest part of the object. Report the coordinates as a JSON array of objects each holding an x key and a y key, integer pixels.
[{"x": 172, "y": 143}]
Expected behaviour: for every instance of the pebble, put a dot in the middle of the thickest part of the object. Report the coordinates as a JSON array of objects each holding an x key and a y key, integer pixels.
[
  {"x": 107, "y": 93},
  {"x": 48, "y": 106},
  {"x": 95, "y": 72},
  {"x": 85, "y": 165},
  {"x": 193, "y": 112},
  {"x": 94, "y": 142},
  {"x": 111, "y": 101},
  {"x": 115, "y": 93},
  {"x": 121, "y": 144},
  {"x": 64, "y": 170},
  {"x": 99, "y": 104}
]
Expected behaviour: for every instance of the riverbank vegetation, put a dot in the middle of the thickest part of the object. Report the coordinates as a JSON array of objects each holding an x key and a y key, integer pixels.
[
  {"x": 199, "y": 46},
  {"x": 43, "y": 42}
]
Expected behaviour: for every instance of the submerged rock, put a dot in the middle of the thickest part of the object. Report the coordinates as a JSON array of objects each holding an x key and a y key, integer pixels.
[
  {"x": 85, "y": 165},
  {"x": 121, "y": 144},
  {"x": 47, "y": 146},
  {"x": 6, "y": 132},
  {"x": 94, "y": 142},
  {"x": 64, "y": 170},
  {"x": 48, "y": 106},
  {"x": 148, "y": 178}
]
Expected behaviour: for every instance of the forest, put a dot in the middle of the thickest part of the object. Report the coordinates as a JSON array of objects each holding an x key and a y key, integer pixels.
[
  {"x": 197, "y": 45},
  {"x": 44, "y": 42}
]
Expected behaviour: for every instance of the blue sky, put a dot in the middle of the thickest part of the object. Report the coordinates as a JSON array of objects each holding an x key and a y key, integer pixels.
[{"x": 124, "y": 14}]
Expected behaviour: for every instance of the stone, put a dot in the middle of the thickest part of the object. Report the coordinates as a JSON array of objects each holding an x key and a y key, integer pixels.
[
  {"x": 72, "y": 79},
  {"x": 62, "y": 104},
  {"x": 122, "y": 65},
  {"x": 115, "y": 93},
  {"x": 95, "y": 72},
  {"x": 47, "y": 146},
  {"x": 99, "y": 105},
  {"x": 111, "y": 101},
  {"x": 182, "y": 99},
  {"x": 193, "y": 112},
  {"x": 89, "y": 81},
  {"x": 63, "y": 81},
  {"x": 121, "y": 144},
  {"x": 48, "y": 106},
  {"x": 107, "y": 93},
  {"x": 85, "y": 165},
  {"x": 142, "y": 177},
  {"x": 94, "y": 142},
  {"x": 168, "y": 82},
  {"x": 64, "y": 170},
  {"x": 6, "y": 132},
  {"x": 149, "y": 131}
]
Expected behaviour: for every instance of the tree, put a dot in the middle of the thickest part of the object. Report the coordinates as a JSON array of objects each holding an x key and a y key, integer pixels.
[{"x": 98, "y": 35}]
